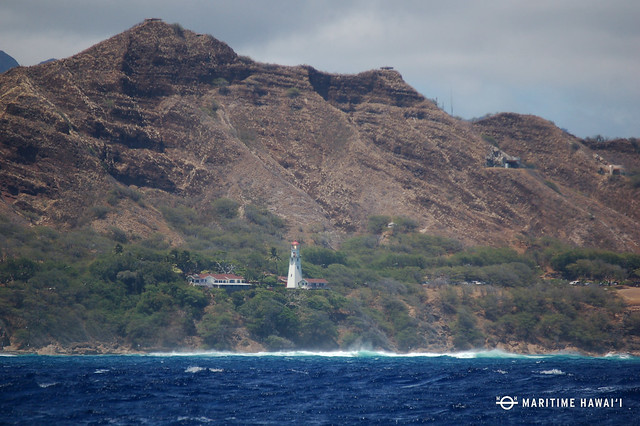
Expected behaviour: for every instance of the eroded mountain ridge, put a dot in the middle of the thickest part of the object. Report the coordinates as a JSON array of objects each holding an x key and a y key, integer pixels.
[{"x": 180, "y": 116}]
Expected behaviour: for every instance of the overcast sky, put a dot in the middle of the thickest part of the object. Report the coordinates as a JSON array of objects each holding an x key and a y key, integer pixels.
[{"x": 574, "y": 62}]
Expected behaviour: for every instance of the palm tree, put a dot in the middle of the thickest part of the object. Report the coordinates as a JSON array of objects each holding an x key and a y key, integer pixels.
[{"x": 275, "y": 257}]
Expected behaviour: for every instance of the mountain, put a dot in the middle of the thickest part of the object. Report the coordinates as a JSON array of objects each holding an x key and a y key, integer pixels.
[
  {"x": 179, "y": 117},
  {"x": 7, "y": 62}
]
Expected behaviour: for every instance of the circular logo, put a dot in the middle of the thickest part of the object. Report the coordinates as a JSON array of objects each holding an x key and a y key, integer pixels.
[{"x": 506, "y": 402}]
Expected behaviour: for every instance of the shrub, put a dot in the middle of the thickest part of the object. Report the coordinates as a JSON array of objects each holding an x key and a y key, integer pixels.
[
  {"x": 293, "y": 92},
  {"x": 277, "y": 343},
  {"x": 118, "y": 235},
  {"x": 465, "y": 332},
  {"x": 508, "y": 274},
  {"x": 317, "y": 331},
  {"x": 216, "y": 330},
  {"x": 634, "y": 178},
  {"x": 428, "y": 245},
  {"x": 220, "y": 82},
  {"x": 121, "y": 192},
  {"x": 266, "y": 314},
  {"x": 449, "y": 300},
  {"x": 265, "y": 219},
  {"x": 404, "y": 224},
  {"x": 483, "y": 256},
  {"x": 17, "y": 269},
  {"x": 378, "y": 223},
  {"x": 179, "y": 216},
  {"x": 632, "y": 323},
  {"x": 225, "y": 208},
  {"x": 178, "y": 29},
  {"x": 490, "y": 139},
  {"x": 553, "y": 186},
  {"x": 100, "y": 212},
  {"x": 323, "y": 257}
]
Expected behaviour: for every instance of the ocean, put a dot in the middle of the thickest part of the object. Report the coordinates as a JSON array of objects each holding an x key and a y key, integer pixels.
[{"x": 305, "y": 388}]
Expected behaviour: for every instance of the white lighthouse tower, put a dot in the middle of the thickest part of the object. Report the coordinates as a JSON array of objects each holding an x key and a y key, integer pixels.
[{"x": 295, "y": 270}]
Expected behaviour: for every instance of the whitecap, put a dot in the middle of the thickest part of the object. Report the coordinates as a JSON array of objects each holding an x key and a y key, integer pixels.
[
  {"x": 200, "y": 419},
  {"x": 553, "y": 372},
  {"x": 615, "y": 355},
  {"x": 101, "y": 371},
  {"x": 47, "y": 385},
  {"x": 196, "y": 369},
  {"x": 607, "y": 388}
]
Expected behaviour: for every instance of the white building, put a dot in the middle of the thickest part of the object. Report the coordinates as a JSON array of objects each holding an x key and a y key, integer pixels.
[
  {"x": 295, "y": 269},
  {"x": 226, "y": 281},
  {"x": 294, "y": 278}
]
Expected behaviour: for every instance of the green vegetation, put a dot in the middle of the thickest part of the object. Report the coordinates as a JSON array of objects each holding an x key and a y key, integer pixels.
[
  {"x": 553, "y": 186},
  {"x": 390, "y": 288},
  {"x": 634, "y": 178},
  {"x": 490, "y": 139},
  {"x": 121, "y": 192},
  {"x": 293, "y": 92},
  {"x": 220, "y": 82},
  {"x": 178, "y": 29}
]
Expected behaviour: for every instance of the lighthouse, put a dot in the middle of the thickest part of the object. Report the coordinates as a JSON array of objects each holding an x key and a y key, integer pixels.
[{"x": 295, "y": 270}]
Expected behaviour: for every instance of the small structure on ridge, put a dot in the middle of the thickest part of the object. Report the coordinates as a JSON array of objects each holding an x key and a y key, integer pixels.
[{"x": 499, "y": 158}]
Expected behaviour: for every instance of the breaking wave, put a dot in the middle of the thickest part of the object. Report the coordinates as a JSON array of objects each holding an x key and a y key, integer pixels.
[
  {"x": 366, "y": 353},
  {"x": 553, "y": 372},
  {"x": 196, "y": 369}
]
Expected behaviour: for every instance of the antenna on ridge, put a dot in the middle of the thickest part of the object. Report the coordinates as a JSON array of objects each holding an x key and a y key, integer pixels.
[{"x": 451, "y": 99}]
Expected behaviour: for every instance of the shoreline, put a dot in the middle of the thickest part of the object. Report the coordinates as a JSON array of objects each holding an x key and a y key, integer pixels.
[{"x": 500, "y": 351}]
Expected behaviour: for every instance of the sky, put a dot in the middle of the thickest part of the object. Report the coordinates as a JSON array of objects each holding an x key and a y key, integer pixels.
[{"x": 573, "y": 62}]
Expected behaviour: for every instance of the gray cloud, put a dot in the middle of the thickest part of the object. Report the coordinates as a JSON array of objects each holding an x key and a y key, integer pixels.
[{"x": 572, "y": 62}]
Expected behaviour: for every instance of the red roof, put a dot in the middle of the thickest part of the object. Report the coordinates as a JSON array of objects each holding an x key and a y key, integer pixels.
[
  {"x": 219, "y": 276},
  {"x": 316, "y": 280}
]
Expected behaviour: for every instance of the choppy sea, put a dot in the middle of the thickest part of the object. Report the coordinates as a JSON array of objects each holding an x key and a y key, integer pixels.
[{"x": 319, "y": 388}]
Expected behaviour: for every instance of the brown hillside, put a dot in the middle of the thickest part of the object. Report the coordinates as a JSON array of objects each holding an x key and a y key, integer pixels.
[{"x": 175, "y": 115}]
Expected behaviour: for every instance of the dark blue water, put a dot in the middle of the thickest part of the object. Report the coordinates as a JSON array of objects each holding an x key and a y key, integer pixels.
[{"x": 302, "y": 388}]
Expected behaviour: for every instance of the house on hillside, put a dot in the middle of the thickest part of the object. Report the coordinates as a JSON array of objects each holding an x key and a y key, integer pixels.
[
  {"x": 226, "y": 281},
  {"x": 312, "y": 283},
  {"x": 308, "y": 283},
  {"x": 499, "y": 158},
  {"x": 616, "y": 169}
]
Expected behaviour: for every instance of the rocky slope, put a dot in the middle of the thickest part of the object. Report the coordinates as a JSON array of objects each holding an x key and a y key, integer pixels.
[{"x": 180, "y": 117}]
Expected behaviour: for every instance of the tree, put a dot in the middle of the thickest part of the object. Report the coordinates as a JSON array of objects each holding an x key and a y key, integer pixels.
[
  {"x": 225, "y": 208},
  {"x": 323, "y": 257},
  {"x": 465, "y": 332},
  {"x": 266, "y": 314},
  {"x": 378, "y": 223},
  {"x": 17, "y": 269},
  {"x": 217, "y": 330},
  {"x": 273, "y": 256}
]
